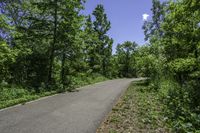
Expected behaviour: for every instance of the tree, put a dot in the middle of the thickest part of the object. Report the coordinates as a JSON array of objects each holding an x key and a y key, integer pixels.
[
  {"x": 153, "y": 34},
  {"x": 144, "y": 61},
  {"x": 152, "y": 28},
  {"x": 104, "y": 48},
  {"x": 181, "y": 44},
  {"x": 174, "y": 46},
  {"x": 126, "y": 59},
  {"x": 45, "y": 34},
  {"x": 91, "y": 42},
  {"x": 7, "y": 58},
  {"x": 70, "y": 33}
]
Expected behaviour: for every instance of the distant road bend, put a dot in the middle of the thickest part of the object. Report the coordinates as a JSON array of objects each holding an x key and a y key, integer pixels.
[{"x": 78, "y": 112}]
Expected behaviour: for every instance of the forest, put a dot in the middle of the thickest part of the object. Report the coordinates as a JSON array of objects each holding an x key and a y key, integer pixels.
[{"x": 48, "y": 46}]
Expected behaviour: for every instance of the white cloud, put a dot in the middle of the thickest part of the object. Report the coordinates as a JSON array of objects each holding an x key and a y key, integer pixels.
[
  {"x": 198, "y": 24},
  {"x": 145, "y": 17}
]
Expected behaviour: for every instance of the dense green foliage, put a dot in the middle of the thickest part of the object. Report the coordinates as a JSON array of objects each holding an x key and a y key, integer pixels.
[
  {"x": 126, "y": 59},
  {"x": 173, "y": 60},
  {"x": 43, "y": 42},
  {"x": 48, "y": 46}
]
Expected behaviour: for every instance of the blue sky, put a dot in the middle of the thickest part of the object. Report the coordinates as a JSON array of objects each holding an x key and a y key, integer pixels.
[{"x": 126, "y": 18}]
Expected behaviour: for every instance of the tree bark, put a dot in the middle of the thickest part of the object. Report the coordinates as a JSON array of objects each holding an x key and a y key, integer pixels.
[{"x": 52, "y": 49}]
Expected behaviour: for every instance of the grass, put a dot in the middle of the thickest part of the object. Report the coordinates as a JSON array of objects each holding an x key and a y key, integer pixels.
[
  {"x": 138, "y": 111},
  {"x": 12, "y": 95}
]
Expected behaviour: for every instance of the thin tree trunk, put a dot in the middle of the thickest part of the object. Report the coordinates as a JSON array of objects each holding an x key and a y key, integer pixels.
[
  {"x": 127, "y": 63},
  {"x": 52, "y": 50},
  {"x": 63, "y": 69}
]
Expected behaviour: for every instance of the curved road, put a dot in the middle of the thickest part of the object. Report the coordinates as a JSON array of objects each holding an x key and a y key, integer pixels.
[{"x": 77, "y": 112}]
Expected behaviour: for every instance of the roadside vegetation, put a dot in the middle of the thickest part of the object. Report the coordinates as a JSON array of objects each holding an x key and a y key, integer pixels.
[
  {"x": 139, "y": 110},
  {"x": 171, "y": 60},
  {"x": 12, "y": 95},
  {"x": 174, "y": 61}
]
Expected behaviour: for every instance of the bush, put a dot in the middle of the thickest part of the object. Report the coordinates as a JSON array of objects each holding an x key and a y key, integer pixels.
[
  {"x": 12, "y": 93},
  {"x": 84, "y": 79},
  {"x": 178, "y": 102}
]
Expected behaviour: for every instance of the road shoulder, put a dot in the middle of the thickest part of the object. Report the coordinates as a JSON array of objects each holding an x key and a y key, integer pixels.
[{"x": 137, "y": 110}]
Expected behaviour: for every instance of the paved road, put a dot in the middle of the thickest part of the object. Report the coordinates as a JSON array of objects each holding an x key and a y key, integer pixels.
[{"x": 77, "y": 112}]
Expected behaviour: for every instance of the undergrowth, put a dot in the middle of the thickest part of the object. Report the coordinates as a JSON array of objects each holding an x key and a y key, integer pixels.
[
  {"x": 139, "y": 110},
  {"x": 178, "y": 110},
  {"x": 11, "y": 95}
]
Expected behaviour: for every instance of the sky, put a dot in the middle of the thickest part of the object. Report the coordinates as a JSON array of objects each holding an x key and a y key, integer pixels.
[{"x": 126, "y": 17}]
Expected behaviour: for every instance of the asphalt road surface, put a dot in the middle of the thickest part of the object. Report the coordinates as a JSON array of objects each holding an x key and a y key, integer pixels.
[{"x": 77, "y": 112}]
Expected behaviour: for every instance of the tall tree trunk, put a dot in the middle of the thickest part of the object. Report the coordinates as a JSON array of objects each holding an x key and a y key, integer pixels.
[
  {"x": 52, "y": 49},
  {"x": 63, "y": 69},
  {"x": 104, "y": 67}
]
